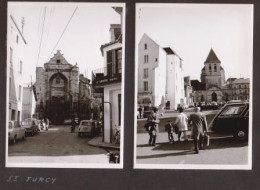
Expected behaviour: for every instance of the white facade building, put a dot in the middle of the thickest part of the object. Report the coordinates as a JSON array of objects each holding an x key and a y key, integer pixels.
[
  {"x": 15, "y": 51},
  {"x": 29, "y": 102},
  {"x": 160, "y": 75},
  {"x": 109, "y": 80}
]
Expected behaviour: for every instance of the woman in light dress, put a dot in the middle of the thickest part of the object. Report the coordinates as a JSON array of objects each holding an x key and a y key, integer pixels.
[{"x": 181, "y": 122}]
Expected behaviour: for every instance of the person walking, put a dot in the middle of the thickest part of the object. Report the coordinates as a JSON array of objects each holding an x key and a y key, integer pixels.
[
  {"x": 140, "y": 112},
  {"x": 170, "y": 129},
  {"x": 199, "y": 129},
  {"x": 153, "y": 127},
  {"x": 47, "y": 122},
  {"x": 181, "y": 122}
]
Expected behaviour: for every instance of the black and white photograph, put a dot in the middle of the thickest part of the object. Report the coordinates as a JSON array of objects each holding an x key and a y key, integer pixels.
[
  {"x": 193, "y": 86},
  {"x": 65, "y": 81}
]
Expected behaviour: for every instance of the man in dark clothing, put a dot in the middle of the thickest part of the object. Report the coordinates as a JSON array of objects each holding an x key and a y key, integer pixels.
[
  {"x": 153, "y": 122},
  {"x": 140, "y": 111},
  {"x": 199, "y": 123}
]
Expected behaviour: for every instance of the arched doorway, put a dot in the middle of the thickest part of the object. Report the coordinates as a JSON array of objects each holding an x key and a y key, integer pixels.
[
  {"x": 214, "y": 97},
  {"x": 202, "y": 99},
  {"x": 59, "y": 102}
]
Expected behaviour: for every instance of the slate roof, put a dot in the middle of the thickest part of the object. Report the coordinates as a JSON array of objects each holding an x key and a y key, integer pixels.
[
  {"x": 241, "y": 80},
  {"x": 197, "y": 85},
  {"x": 169, "y": 51},
  {"x": 212, "y": 58}
]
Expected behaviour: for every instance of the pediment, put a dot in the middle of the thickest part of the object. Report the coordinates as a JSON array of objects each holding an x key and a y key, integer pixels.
[{"x": 58, "y": 59}]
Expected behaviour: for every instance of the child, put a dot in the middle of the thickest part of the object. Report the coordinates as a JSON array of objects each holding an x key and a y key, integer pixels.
[{"x": 170, "y": 129}]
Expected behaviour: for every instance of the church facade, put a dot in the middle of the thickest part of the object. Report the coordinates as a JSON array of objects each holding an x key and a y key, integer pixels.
[
  {"x": 59, "y": 90},
  {"x": 214, "y": 87}
]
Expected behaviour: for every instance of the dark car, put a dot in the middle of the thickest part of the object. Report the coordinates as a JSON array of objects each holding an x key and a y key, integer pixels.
[
  {"x": 31, "y": 126},
  {"x": 210, "y": 106},
  {"x": 232, "y": 119}
]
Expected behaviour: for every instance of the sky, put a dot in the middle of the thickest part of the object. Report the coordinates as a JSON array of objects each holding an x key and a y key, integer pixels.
[
  {"x": 193, "y": 29},
  {"x": 81, "y": 41}
]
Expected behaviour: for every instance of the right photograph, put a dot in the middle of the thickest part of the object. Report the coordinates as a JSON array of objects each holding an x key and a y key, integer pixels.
[{"x": 194, "y": 87}]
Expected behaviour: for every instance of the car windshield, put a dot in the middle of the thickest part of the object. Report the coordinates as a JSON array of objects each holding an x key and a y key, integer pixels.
[
  {"x": 233, "y": 110},
  {"x": 86, "y": 123}
]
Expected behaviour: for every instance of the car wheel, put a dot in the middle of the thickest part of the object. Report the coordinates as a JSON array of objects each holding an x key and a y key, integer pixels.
[
  {"x": 23, "y": 136},
  {"x": 240, "y": 135},
  {"x": 79, "y": 134}
]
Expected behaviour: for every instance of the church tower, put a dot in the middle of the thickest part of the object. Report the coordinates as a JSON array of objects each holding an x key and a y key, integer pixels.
[{"x": 212, "y": 73}]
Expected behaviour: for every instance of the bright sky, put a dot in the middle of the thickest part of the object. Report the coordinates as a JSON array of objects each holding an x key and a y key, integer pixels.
[
  {"x": 192, "y": 29},
  {"x": 86, "y": 32}
]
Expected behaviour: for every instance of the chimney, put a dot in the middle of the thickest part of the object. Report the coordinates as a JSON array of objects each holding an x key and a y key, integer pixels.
[{"x": 115, "y": 32}]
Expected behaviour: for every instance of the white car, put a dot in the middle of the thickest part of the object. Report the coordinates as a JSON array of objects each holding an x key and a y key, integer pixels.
[
  {"x": 15, "y": 131},
  {"x": 90, "y": 127}
]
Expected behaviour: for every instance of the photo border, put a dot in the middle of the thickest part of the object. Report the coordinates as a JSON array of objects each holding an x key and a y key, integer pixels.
[
  {"x": 247, "y": 166},
  {"x": 71, "y": 165}
]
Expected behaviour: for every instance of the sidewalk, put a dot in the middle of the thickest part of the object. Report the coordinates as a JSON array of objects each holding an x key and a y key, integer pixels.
[{"x": 97, "y": 141}]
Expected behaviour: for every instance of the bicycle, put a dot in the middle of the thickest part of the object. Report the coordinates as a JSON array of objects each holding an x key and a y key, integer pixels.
[{"x": 116, "y": 137}]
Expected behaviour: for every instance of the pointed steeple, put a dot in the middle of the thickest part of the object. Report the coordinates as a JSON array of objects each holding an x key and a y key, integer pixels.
[{"x": 212, "y": 58}]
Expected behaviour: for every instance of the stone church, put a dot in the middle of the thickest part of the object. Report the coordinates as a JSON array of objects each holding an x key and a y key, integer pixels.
[
  {"x": 60, "y": 91},
  {"x": 213, "y": 87}
]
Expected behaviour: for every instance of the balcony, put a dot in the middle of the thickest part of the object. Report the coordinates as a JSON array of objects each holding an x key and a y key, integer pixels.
[{"x": 107, "y": 75}]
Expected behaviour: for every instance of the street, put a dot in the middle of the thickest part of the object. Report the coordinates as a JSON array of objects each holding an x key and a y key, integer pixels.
[
  {"x": 223, "y": 149},
  {"x": 57, "y": 145}
]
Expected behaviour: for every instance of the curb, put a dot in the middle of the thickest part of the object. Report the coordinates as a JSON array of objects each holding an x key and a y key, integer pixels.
[{"x": 96, "y": 142}]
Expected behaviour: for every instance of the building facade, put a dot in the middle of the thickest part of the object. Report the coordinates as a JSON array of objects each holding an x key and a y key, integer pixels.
[
  {"x": 16, "y": 45},
  {"x": 160, "y": 75},
  {"x": 213, "y": 86},
  {"x": 108, "y": 80},
  {"x": 58, "y": 90},
  {"x": 189, "y": 96},
  {"x": 29, "y": 102}
]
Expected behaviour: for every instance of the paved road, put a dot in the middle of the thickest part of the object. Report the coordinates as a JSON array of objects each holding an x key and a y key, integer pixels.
[
  {"x": 223, "y": 150},
  {"x": 56, "y": 145}
]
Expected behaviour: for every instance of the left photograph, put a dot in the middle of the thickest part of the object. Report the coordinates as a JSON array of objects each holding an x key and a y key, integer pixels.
[{"x": 65, "y": 81}]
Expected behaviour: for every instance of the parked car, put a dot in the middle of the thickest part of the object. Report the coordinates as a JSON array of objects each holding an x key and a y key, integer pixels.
[
  {"x": 31, "y": 126},
  {"x": 89, "y": 127},
  {"x": 232, "y": 119},
  {"x": 210, "y": 106},
  {"x": 148, "y": 110},
  {"x": 15, "y": 131}
]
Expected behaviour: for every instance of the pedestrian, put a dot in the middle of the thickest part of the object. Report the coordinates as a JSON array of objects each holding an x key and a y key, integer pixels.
[
  {"x": 73, "y": 124},
  {"x": 199, "y": 129},
  {"x": 170, "y": 129},
  {"x": 153, "y": 127},
  {"x": 47, "y": 122},
  {"x": 140, "y": 111},
  {"x": 42, "y": 124},
  {"x": 181, "y": 122}
]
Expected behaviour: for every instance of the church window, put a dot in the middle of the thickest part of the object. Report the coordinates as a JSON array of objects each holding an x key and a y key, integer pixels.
[
  {"x": 58, "y": 61},
  {"x": 209, "y": 67},
  {"x": 145, "y": 46},
  {"x": 215, "y": 68}
]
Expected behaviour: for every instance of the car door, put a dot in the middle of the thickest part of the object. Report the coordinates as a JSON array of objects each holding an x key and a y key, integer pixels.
[{"x": 229, "y": 118}]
